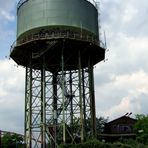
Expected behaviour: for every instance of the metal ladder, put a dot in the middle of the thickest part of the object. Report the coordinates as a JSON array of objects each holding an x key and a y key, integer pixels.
[{"x": 38, "y": 54}]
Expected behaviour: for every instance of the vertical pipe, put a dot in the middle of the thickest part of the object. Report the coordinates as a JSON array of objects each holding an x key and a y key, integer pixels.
[
  {"x": 54, "y": 83},
  {"x": 63, "y": 97},
  {"x": 26, "y": 111},
  {"x": 71, "y": 99},
  {"x": 92, "y": 98},
  {"x": 80, "y": 95},
  {"x": 84, "y": 101},
  {"x": 43, "y": 108},
  {"x": 30, "y": 105}
]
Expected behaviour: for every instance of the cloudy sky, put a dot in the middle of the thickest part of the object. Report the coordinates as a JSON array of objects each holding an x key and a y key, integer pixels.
[{"x": 121, "y": 82}]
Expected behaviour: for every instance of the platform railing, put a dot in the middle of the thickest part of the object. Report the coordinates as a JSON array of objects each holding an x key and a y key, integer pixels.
[{"x": 60, "y": 35}]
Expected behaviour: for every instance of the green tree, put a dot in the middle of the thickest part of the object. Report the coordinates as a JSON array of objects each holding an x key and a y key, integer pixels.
[
  {"x": 141, "y": 128},
  {"x": 100, "y": 123},
  {"x": 11, "y": 140}
]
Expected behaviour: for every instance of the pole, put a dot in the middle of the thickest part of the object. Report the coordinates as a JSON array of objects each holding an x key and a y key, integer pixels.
[
  {"x": 43, "y": 108},
  {"x": 54, "y": 83},
  {"x": 63, "y": 97},
  {"x": 30, "y": 105},
  {"x": 26, "y": 100},
  {"x": 71, "y": 100},
  {"x": 80, "y": 95},
  {"x": 92, "y": 98},
  {"x": 84, "y": 101}
]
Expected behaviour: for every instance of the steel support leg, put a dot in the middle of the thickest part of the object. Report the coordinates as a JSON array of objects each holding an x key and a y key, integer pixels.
[
  {"x": 54, "y": 145},
  {"x": 63, "y": 97},
  {"x": 92, "y": 99},
  {"x": 81, "y": 102},
  {"x": 43, "y": 109}
]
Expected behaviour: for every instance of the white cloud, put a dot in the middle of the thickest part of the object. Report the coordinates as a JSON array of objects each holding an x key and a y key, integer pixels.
[
  {"x": 129, "y": 90},
  {"x": 7, "y": 9},
  {"x": 122, "y": 81},
  {"x": 129, "y": 13},
  {"x": 7, "y": 25},
  {"x": 7, "y": 15},
  {"x": 11, "y": 96}
]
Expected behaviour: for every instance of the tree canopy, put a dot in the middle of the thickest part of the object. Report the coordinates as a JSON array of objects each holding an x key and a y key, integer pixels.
[
  {"x": 141, "y": 128},
  {"x": 11, "y": 140}
]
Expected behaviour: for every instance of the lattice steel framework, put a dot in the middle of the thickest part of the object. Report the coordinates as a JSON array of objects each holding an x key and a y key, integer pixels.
[
  {"x": 58, "y": 53},
  {"x": 58, "y": 104}
]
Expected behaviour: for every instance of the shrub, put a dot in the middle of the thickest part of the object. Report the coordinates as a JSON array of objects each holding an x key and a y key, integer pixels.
[{"x": 97, "y": 144}]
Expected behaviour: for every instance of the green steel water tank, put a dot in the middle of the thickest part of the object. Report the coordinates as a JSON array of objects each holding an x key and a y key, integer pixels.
[
  {"x": 58, "y": 44},
  {"x": 45, "y": 27},
  {"x": 35, "y": 15}
]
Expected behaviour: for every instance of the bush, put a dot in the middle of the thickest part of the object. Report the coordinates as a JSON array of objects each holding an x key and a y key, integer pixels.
[
  {"x": 97, "y": 144},
  {"x": 134, "y": 143},
  {"x": 121, "y": 145}
]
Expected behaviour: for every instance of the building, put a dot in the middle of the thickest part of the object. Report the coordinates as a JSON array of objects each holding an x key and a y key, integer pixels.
[{"x": 119, "y": 128}]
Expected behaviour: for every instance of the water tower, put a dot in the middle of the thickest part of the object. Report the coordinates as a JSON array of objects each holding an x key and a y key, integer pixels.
[{"x": 58, "y": 45}]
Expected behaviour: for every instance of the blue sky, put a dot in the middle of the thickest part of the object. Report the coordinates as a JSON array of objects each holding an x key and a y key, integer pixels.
[
  {"x": 7, "y": 26},
  {"x": 121, "y": 83}
]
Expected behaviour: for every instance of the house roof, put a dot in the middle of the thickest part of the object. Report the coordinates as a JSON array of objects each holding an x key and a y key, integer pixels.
[{"x": 122, "y": 118}]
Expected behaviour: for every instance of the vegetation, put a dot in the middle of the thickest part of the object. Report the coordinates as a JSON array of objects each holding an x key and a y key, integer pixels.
[
  {"x": 11, "y": 140},
  {"x": 97, "y": 144},
  {"x": 100, "y": 122},
  {"x": 75, "y": 129},
  {"x": 142, "y": 128},
  {"x": 141, "y": 141}
]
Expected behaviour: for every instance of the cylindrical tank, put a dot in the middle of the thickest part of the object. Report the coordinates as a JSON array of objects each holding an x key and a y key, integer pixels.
[
  {"x": 45, "y": 27},
  {"x": 36, "y": 16}
]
